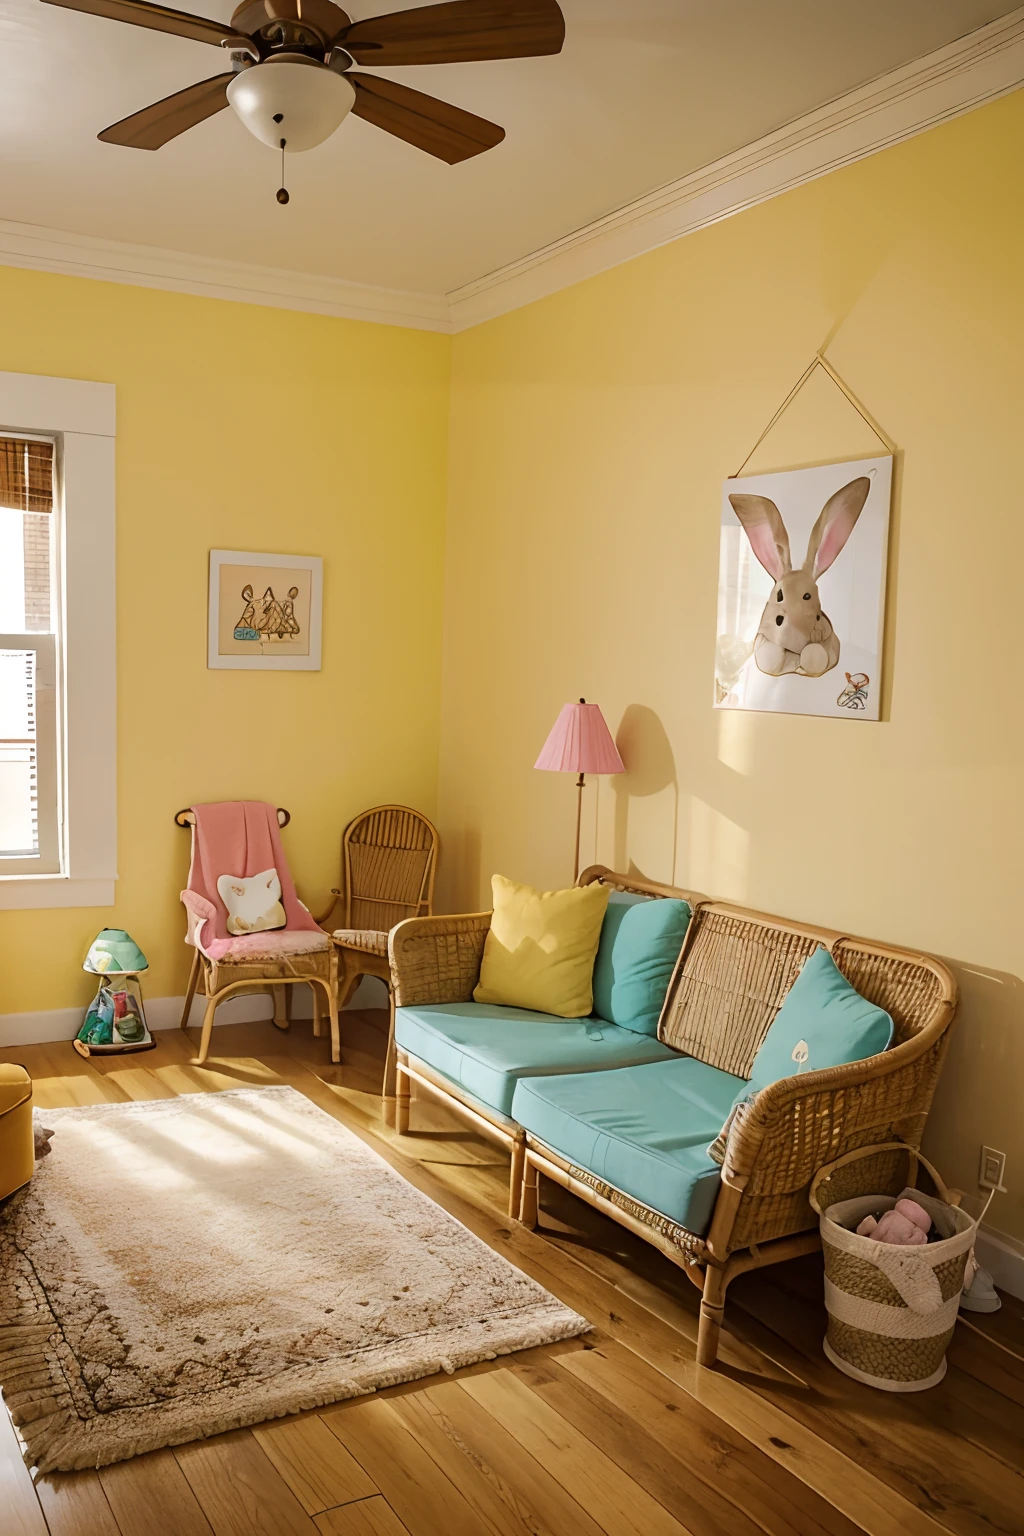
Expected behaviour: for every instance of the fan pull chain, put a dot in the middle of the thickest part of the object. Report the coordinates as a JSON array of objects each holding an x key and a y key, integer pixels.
[{"x": 282, "y": 191}]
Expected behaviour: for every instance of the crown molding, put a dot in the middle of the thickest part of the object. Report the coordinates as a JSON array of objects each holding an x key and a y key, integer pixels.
[
  {"x": 974, "y": 69},
  {"x": 146, "y": 266},
  {"x": 977, "y": 68}
]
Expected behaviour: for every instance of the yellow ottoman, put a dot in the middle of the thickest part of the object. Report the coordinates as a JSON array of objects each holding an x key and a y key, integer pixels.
[{"x": 17, "y": 1148}]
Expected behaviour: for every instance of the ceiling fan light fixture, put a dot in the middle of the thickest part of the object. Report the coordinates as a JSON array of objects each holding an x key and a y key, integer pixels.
[{"x": 291, "y": 97}]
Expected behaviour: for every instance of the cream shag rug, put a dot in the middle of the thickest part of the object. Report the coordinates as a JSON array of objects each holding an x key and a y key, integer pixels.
[{"x": 184, "y": 1266}]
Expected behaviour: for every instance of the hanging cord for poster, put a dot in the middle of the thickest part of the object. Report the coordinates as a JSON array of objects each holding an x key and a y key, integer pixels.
[{"x": 818, "y": 361}]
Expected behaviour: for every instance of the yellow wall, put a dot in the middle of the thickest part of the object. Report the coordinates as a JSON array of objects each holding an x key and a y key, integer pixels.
[
  {"x": 259, "y": 429},
  {"x": 590, "y": 434}
]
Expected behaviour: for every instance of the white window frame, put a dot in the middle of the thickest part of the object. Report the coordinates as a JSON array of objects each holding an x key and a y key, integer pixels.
[
  {"x": 48, "y": 857},
  {"x": 80, "y": 416}
]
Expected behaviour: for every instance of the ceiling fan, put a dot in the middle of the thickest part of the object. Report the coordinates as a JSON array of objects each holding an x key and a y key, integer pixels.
[{"x": 291, "y": 79}]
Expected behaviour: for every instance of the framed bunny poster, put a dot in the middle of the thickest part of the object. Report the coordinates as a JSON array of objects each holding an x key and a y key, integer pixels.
[
  {"x": 265, "y": 611},
  {"x": 801, "y": 590}
]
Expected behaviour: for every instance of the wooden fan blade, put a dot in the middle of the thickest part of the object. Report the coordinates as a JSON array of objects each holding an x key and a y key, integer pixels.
[
  {"x": 164, "y": 120},
  {"x": 160, "y": 18},
  {"x": 458, "y": 32},
  {"x": 436, "y": 126}
]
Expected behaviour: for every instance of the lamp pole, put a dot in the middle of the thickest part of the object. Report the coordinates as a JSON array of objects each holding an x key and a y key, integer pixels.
[{"x": 579, "y": 820}]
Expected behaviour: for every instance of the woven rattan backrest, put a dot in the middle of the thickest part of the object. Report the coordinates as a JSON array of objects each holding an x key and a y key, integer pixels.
[
  {"x": 737, "y": 966},
  {"x": 390, "y": 857},
  {"x": 635, "y": 884}
]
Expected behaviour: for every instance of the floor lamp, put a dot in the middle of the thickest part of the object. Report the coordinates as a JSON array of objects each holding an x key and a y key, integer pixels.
[{"x": 580, "y": 742}]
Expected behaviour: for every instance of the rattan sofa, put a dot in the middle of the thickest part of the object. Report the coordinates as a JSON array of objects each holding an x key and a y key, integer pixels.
[
  {"x": 735, "y": 967},
  {"x": 437, "y": 960}
]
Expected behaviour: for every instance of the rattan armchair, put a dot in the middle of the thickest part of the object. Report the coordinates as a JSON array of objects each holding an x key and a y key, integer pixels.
[
  {"x": 735, "y": 968},
  {"x": 310, "y": 958},
  {"x": 389, "y": 861}
]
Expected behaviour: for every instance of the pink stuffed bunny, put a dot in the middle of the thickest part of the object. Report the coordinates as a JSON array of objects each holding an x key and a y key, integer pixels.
[{"x": 907, "y": 1225}]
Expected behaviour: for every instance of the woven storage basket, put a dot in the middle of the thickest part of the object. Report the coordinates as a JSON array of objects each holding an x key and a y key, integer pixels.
[{"x": 891, "y": 1309}]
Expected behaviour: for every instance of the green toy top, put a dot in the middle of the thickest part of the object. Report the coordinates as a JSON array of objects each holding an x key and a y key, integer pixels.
[{"x": 114, "y": 951}]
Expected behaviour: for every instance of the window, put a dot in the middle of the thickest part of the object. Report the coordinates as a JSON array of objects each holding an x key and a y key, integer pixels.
[
  {"x": 57, "y": 656},
  {"x": 30, "y": 790}
]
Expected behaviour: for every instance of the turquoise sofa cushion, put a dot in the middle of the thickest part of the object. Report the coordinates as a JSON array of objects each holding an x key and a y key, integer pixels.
[
  {"x": 486, "y": 1048},
  {"x": 823, "y": 1016},
  {"x": 640, "y": 942},
  {"x": 643, "y": 1129}
]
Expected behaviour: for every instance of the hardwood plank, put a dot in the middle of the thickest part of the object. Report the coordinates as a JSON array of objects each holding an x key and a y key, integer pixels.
[
  {"x": 839, "y": 1480},
  {"x": 215, "y": 1076},
  {"x": 316, "y": 1466},
  {"x": 983, "y": 1418},
  {"x": 136, "y": 1488},
  {"x": 541, "y": 1503},
  {"x": 20, "y": 1514},
  {"x": 75, "y": 1505},
  {"x": 619, "y": 1385},
  {"x": 413, "y": 1484},
  {"x": 492, "y": 1511},
  {"x": 843, "y": 1481},
  {"x": 982, "y": 1353},
  {"x": 712, "y": 1489},
  {"x": 238, "y": 1489},
  {"x": 136, "y": 1082},
  {"x": 485, "y": 1494},
  {"x": 370, "y": 1517},
  {"x": 61, "y": 1078},
  {"x": 1007, "y": 1324},
  {"x": 959, "y": 1485},
  {"x": 618, "y": 1504}
]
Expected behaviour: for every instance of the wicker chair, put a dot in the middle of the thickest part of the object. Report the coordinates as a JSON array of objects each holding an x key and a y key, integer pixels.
[
  {"x": 314, "y": 961},
  {"x": 389, "y": 860},
  {"x": 735, "y": 968}
]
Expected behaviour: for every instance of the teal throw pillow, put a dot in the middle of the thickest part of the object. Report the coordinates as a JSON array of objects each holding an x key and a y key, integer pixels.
[
  {"x": 640, "y": 942},
  {"x": 823, "y": 1022}
]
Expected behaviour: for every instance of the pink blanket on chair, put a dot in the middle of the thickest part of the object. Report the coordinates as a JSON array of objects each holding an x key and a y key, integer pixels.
[{"x": 242, "y": 838}]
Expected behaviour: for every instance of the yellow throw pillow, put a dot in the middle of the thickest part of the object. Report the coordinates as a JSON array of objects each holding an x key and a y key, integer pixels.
[{"x": 541, "y": 948}]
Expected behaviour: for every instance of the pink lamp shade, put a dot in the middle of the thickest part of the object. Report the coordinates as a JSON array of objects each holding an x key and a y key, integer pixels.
[{"x": 580, "y": 742}]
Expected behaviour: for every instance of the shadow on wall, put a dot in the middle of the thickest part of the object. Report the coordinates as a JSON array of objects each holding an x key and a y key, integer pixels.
[
  {"x": 646, "y": 797},
  {"x": 459, "y": 885},
  {"x": 978, "y": 1097}
]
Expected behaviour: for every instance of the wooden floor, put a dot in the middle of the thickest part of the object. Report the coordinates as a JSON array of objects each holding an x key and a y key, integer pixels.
[{"x": 618, "y": 1432}]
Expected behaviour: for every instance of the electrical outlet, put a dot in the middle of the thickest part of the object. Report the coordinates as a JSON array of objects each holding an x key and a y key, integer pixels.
[{"x": 992, "y": 1170}]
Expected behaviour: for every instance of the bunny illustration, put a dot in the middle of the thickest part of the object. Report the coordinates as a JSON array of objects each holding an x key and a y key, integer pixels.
[
  {"x": 794, "y": 634},
  {"x": 253, "y": 903}
]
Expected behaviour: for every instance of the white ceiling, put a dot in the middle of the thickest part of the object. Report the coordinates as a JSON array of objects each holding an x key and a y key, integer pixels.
[{"x": 643, "y": 92}]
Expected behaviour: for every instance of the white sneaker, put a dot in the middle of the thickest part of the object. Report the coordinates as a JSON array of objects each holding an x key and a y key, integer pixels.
[{"x": 980, "y": 1295}]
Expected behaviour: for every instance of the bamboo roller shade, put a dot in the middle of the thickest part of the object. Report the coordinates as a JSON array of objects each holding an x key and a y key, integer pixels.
[{"x": 26, "y": 475}]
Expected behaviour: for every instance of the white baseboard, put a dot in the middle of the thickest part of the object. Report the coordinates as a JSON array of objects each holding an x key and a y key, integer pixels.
[
  {"x": 1003, "y": 1257},
  {"x": 165, "y": 1012}
]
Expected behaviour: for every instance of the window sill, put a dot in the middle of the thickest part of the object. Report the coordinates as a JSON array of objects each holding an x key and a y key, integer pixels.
[{"x": 23, "y": 892}]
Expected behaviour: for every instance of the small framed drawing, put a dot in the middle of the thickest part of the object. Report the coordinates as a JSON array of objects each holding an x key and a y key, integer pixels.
[{"x": 265, "y": 611}]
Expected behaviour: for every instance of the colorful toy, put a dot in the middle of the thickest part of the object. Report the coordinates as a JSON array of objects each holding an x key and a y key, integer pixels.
[{"x": 115, "y": 1020}]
